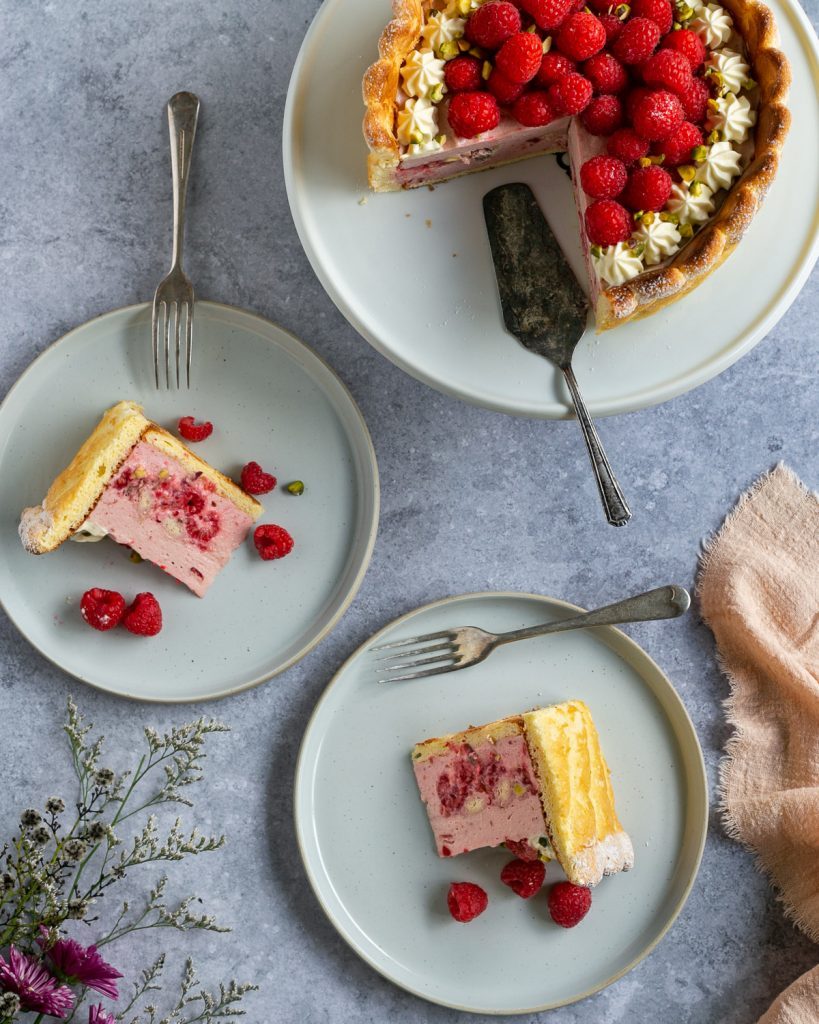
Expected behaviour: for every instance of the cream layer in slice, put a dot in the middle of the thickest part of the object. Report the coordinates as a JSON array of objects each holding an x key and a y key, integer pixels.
[
  {"x": 170, "y": 516},
  {"x": 479, "y": 787}
]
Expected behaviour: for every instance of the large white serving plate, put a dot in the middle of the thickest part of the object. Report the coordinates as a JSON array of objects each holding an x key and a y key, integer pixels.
[
  {"x": 412, "y": 271},
  {"x": 368, "y": 851},
  {"x": 271, "y": 400}
]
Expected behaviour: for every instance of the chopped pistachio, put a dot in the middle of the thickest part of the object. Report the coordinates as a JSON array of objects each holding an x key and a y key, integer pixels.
[
  {"x": 436, "y": 93},
  {"x": 464, "y": 45},
  {"x": 476, "y": 51},
  {"x": 638, "y": 215},
  {"x": 638, "y": 250},
  {"x": 135, "y": 557},
  {"x": 687, "y": 172},
  {"x": 675, "y": 26},
  {"x": 699, "y": 153},
  {"x": 715, "y": 136},
  {"x": 749, "y": 84},
  {"x": 670, "y": 218},
  {"x": 695, "y": 188},
  {"x": 647, "y": 218},
  {"x": 416, "y": 138},
  {"x": 440, "y": 139},
  {"x": 163, "y": 474},
  {"x": 685, "y": 12},
  {"x": 296, "y": 487},
  {"x": 140, "y": 472},
  {"x": 596, "y": 251},
  {"x": 622, "y": 11},
  {"x": 547, "y": 44},
  {"x": 486, "y": 69},
  {"x": 686, "y": 231},
  {"x": 464, "y": 6},
  {"x": 532, "y": 28},
  {"x": 712, "y": 104},
  {"x": 449, "y": 49},
  {"x": 644, "y": 161}
]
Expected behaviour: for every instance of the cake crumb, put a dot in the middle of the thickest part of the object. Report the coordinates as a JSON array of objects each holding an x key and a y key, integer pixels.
[
  {"x": 407, "y": 214},
  {"x": 431, "y": 188},
  {"x": 454, "y": 255},
  {"x": 362, "y": 201},
  {"x": 428, "y": 222}
]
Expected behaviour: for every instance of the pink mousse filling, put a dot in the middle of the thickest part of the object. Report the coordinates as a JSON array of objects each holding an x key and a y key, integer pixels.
[
  {"x": 480, "y": 796},
  {"x": 171, "y": 517},
  {"x": 509, "y": 141}
]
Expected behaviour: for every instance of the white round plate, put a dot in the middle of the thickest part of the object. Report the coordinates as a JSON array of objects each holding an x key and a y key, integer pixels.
[
  {"x": 272, "y": 400},
  {"x": 367, "y": 846},
  {"x": 412, "y": 271}
]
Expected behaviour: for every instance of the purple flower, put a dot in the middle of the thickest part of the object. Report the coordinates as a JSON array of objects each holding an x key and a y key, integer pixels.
[
  {"x": 37, "y": 989},
  {"x": 96, "y": 1015},
  {"x": 80, "y": 965}
]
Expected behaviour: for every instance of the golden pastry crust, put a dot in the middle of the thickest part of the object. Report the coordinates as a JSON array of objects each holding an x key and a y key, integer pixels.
[
  {"x": 474, "y": 736},
  {"x": 380, "y": 87},
  {"x": 655, "y": 289}
]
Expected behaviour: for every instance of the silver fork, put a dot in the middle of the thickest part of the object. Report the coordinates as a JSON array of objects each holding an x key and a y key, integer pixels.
[
  {"x": 453, "y": 649},
  {"x": 175, "y": 291}
]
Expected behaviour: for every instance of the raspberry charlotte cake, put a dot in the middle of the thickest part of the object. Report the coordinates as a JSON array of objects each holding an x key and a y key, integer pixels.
[
  {"x": 673, "y": 116},
  {"x": 537, "y": 782},
  {"x": 133, "y": 481}
]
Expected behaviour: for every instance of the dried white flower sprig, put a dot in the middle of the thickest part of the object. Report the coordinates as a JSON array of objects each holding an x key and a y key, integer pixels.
[{"x": 56, "y": 870}]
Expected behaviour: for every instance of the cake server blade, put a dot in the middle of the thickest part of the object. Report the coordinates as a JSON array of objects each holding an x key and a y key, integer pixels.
[{"x": 545, "y": 308}]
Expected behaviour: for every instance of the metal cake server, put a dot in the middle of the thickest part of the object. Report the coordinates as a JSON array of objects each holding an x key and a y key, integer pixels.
[{"x": 545, "y": 308}]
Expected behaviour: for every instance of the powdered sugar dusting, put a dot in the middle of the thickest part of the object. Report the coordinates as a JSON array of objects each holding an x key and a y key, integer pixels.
[{"x": 606, "y": 857}]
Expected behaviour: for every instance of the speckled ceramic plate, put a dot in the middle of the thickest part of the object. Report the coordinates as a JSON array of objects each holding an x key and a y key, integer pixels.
[
  {"x": 412, "y": 271},
  {"x": 367, "y": 846},
  {"x": 271, "y": 399}
]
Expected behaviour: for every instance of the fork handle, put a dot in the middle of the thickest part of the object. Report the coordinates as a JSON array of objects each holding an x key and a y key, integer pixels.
[
  {"x": 183, "y": 113},
  {"x": 662, "y": 603}
]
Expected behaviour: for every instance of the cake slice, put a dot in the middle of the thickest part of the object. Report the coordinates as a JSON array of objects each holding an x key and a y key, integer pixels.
[
  {"x": 136, "y": 483},
  {"x": 539, "y": 778}
]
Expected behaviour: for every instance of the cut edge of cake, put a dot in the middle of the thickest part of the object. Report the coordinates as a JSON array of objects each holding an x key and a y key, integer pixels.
[{"x": 75, "y": 492}]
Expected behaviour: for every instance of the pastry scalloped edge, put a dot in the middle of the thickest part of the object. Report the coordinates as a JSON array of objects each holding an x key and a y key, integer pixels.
[
  {"x": 379, "y": 88},
  {"x": 718, "y": 238},
  {"x": 607, "y": 856}
]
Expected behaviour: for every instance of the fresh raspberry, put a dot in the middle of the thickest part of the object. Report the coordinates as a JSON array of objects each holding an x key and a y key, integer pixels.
[
  {"x": 695, "y": 101},
  {"x": 504, "y": 91},
  {"x": 463, "y": 74},
  {"x": 633, "y": 98},
  {"x": 255, "y": 480},
  {"x": 601, "y": 6},
  {"x": 657, "y": 115},
  {"x": 492, "y": 24},
  {"x": 603, "y": 115},
  {"x": 569, "y": 904},
  {"x": 519, "y": 58},
  {"x": 648, "y": 188},
  {"x": 668, "y": 70},
  {"x": 606, "y": 74},
  {"x": 193, "y": 431},
  {"x": 471, "y": 113},
  {"x": 612, "y": 27},
  {"x": 553, "y": 67},
  {"x": 627, "y": 146},
  {"x": 524, "y": 877},
  {"x": 466, "y": 901},
  {"x": 144, "y": 616},
  {"x": 637, "y": 41},
  {"x": 272, "y": 541},
  {"x": 533, "y": 110},
  {"x": 687, "y": 43},
  {"x": 102, "y": 609},
  {"x": 658, "y": 11},
  {"x": 676, "y": 150},
  {"x": 580, "y": 36},
  {"x": 603, "y": 177},
  {"x": 522, "y": 849},
  {"x": 607, "y": 222},
  {"x": 571, "y": 94},
  {"x": 547, "y": 14}
]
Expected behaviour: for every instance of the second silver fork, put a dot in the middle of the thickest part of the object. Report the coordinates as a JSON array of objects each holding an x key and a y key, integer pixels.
[
  {"x": 451, "y": 649},
  {"x": 174, "y": 294}
]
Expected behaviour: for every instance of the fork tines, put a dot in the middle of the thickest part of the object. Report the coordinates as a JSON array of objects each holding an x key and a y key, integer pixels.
[
  {"x": 409, "y": 654},
  {"x": 165, "y": 311}
]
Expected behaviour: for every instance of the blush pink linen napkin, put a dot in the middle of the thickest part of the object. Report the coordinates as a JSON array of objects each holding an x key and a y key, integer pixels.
[{"x": 759, "y": 594}]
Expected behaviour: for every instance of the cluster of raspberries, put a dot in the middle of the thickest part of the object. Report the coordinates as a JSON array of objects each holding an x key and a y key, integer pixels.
[{"x": 637, "y": 81}]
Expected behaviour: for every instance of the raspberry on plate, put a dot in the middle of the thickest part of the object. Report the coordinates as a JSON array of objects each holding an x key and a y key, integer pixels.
[
  {"x": 547, "y": 14},
  {"x": 603, "y": 115},
  {"x": 687, "y": 43},
  {"x": 637, "y": 41},
  {"x": 466, "y": 901},
  {"x": 525, "y": 878},
  {"x": 144, "y": 616},
  {"x": 606, "y": 73},
  {"x": 553, "y": 67},
  {"x": 193, "y": 431},
  {"x": 533, "y": 109},
  {"x": 571, "y": 94},
  {"x": 272, "y": 541},
  {"x": 658, "y": 11},
  {"x": 580, "y": 36},
  {"x": 520, "y": 56},
  {"x": 676, "y": 150},
  {"x": 255, "y": 480},
  {"x": 504, "y": 91},
  {"x": 648, "y": 188},
  {"x": 463, "y": 74},
  {"x": 607, "y": 222},
  {"x": 492, "y": 24},
  {"x": 667, "y": 69},
  {"x": 569, "y": 904},
  {"x": 695, "y": 101},
  {"x": 657, "y": 115},
  {"x": 603, "y": 177},
  {"x": 102, "y": 609},
  {"x": 627, "y": 145},
  {"x": 472, "y": 113}
]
